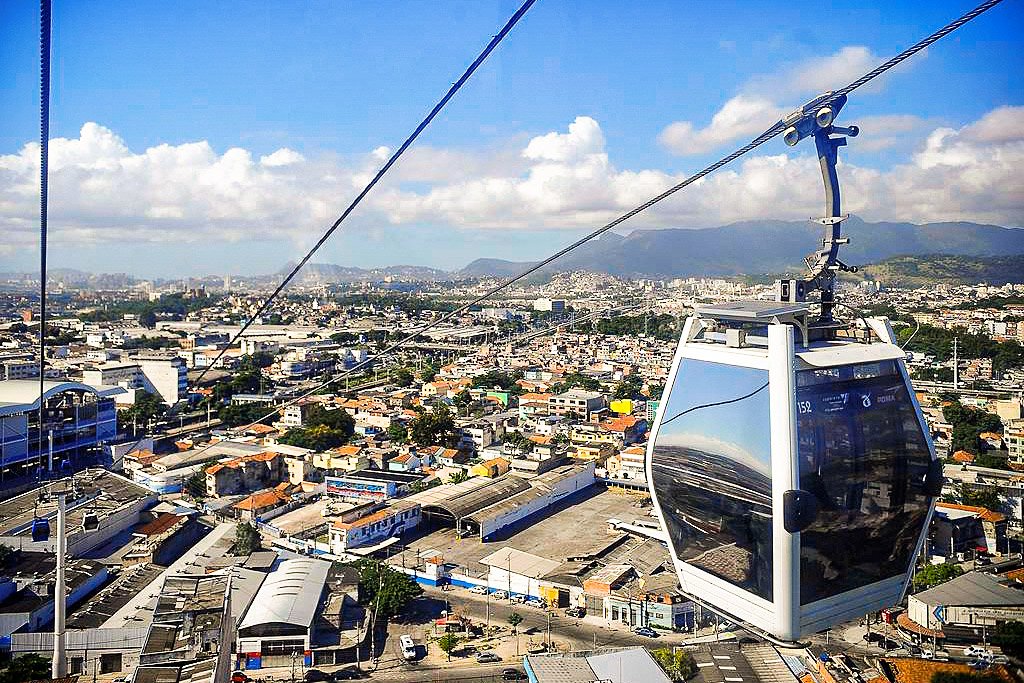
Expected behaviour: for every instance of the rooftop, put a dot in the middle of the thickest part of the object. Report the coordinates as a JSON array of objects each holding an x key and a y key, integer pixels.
[
  {"x": 289, "y": 595},
  {"x": 975, "y": 589}
]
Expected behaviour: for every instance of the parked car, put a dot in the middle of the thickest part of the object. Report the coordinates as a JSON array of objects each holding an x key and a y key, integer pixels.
[
  {"x": 976, "y": 651},
  {"x": 239, "y": 677},
  {"x": 577, "y": 612},
  {"x": 487, "y": 658},
  {"x": 982, "y": 561},
  {"x": 316, "y": 676},
  {"x": 479, "y": 590},
  {"x": 499, "y": 595},
  {"x": 349, "y": 675},
  {"x": 535, "y": 602},
  {"x": 517, "y": 599},
  {"x": 513, "y": 675},
  {"x": 645, "y": 631}
]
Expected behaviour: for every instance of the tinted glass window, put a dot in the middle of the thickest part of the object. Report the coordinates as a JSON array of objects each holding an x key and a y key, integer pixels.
[
  {"x": 712, "y": 472},
  {"x": 864, "y": 457}
]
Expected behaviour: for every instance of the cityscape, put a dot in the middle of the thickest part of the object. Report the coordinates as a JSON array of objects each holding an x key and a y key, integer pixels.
[{"x": 486, "y": 342}]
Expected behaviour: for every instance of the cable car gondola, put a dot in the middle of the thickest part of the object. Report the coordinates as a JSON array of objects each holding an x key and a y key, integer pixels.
[
  {"x": 40, "y": 529},
  {"x": 789, "y": 460}
]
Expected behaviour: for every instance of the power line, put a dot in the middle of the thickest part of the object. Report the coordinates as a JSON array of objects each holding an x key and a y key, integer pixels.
[
  {"x": 717, "y": 403},
  {"x": 768, "y": 134},
  {"x": 495, "y": 41}
]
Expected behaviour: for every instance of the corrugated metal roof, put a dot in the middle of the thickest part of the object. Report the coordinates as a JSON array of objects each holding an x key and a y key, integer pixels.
[
  {"x": 519, "y": 562},
  {"x": 289, "y": 595},
  {"x": 973, "y": 588}
]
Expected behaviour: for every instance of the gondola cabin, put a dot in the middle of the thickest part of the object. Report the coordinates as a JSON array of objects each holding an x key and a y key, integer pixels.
[{"x": 795, "y": 478}]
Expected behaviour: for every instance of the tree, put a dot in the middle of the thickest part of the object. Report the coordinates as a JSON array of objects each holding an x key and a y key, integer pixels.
[
  {"x": 434, "y": 428},
  {"x": 428, "y": 373},
  {"x": 28, "y": 668},
  {"x": 514, "y": 619},
  {"x": 403, "y": 377},
  {"x": 458, "y": 477},
  {"x": 677, "y": 663},
  {"x": 238, "y": 414},
  {"x": 448, "y": 642},
  {"x": 247, "y": 539},
  {"x": 985, "y": 497},
  {"x": 256, "y": 361},
  {"x": 148, "y": 319},
  {"x": 934, "y": 574},
  {"x": 1010, "y": 637},
  {"x": 387, "y": 590},
  {"x": 337, "y": 419},
  {"x": 196, "y": 484},
  {"x": 967, "y": 424},
  {"x": 319, "y": 438},
  {"x": 463, "y": 400},
  {"x": 398, "y": 433},
  {"x": 147, "y": 406}
]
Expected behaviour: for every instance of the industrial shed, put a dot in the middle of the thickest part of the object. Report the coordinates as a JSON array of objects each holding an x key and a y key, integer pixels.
[{"x": 280, "y": 620}]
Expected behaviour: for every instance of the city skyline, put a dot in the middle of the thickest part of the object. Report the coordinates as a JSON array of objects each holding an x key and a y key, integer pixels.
[{"x": 221, "y": 155}]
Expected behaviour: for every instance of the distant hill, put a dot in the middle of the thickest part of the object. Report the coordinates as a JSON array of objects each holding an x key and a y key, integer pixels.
[
  {"x": 493, "y": 267},
  {"x": 314, "y": 273},
  {"x": 752, "y": 247},
  {"x": 914, "y": 271}
]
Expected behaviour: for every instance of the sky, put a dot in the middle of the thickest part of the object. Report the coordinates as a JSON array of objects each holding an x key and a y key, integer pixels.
[{"x": 194, "y": 138}]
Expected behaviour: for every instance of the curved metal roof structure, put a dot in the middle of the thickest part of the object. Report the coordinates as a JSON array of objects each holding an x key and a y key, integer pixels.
[
  {"x": 467, "y": 501},
  {"x": 22, "y": 395},
  {"x": 289, "y": 595}
]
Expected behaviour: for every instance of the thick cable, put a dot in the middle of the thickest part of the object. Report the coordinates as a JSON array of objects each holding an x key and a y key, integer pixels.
[
  {"x": 495, "y": 41},
  {"x": 768, "y": 134},
  {"x": 44, "y": 158},
  {"x": 716, "y": 403}
]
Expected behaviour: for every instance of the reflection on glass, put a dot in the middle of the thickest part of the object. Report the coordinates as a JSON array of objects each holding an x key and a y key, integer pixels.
[
  {"x": 711, "y": 467},
  {"x": 863, "y": 455}
]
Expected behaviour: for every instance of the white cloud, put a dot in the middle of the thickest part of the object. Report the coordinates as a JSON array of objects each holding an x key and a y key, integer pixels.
[
  {"x": 741, "y": 116},
  {"x": 102, "y": 192},
  {"x": 764, "y": 99}
]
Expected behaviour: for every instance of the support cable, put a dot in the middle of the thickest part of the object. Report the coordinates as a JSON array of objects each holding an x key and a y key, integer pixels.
[
  {"x": 767, "y": 135},
  {"x": 495, "y": 41}
]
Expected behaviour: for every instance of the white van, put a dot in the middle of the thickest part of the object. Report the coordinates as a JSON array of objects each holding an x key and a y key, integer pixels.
[{"x": 408, "y": 647}]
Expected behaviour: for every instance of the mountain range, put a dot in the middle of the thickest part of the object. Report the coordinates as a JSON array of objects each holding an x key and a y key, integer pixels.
[{"x": 755, "y": 247}]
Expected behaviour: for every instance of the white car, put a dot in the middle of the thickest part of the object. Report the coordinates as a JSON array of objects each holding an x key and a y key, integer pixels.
[
  {"x": 499, "y": 595},
  {"x": 517, "y": 599},
  {"x": 977, "y": 651},
  {"x": 479, "y": 590}
]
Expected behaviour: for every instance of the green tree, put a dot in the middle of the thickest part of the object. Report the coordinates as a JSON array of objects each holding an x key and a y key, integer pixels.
[
  {"x": 247, "y": 539},
  {"x": 434, "y": 428},
  {"x": 398, "y": 433},
  {"x": 629, "y": 387},
  {"x": 458, "y": 477},
  {"x": 514, "y": 619},
  {"x": 256, "y": 361},
  {"x": 968, "y": 423},
  {"x": 497, "y": 378},
  {"x": 28, "y": 668},
  {"x": 463, "y": 400},
  {"x": 403, "y": 377},
  {"x": 677, "y": 663},
  {"x": 1010, "y": 637},
  {"x": 238, "y": 414},
  {"x": 147, "y": 406},
  {"x": 318, "y": 438},
  {"x": 196, "y": 484},
  {"x": 448, "y": 642},
  {"x": 386, "y": 590},
  {"x": 428, "y": 373},
  {"x": 336, "y": 419},
  {"x": 934, "y": 574},
  {"x": 148, "y": 319}
]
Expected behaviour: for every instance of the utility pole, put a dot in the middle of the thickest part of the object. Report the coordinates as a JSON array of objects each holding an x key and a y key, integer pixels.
[
  {"x": 60, "y": 664},
  {"x": 956, "y": 364}
]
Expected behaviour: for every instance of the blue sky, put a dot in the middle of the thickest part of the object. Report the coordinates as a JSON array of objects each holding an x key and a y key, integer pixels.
[{"x": 501, "y": 172}]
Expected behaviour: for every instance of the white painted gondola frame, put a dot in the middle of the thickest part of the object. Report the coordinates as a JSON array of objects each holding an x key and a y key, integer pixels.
[{"x": 784, "y": 617}]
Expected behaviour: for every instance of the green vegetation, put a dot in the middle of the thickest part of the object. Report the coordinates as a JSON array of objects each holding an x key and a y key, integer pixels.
[
  {"x": 934, "y": 574},
  {"x": 196, "y": 484},
  {"x": 387, "y": 590},
  {"x": 238, "y": 414},
  {"x": 629, "y": 387},
  {"x": 1010, "y": 637},
  {"x": 168, "y": 306},
  {"x": 677, "y": 663},
  {"x": 247, "y": 539},
  {"x": 938, "y": 343},
  {"x": 575, "y": 380},
  {"x": 968, "y": 423},
  {"x": 914, "y": 271},
  {"x": 145, "y": 342},
  {"x": 436, "y": 428},
  {"x": 458, "y": 477},
  {"x": 319, "y": 438},
  {"x": 256, "y": 361},
  {"x": 514, "y": 619},
  {"x": 448, "y": 642},
  {"x": 147, "y": 406},
  {"x": 403, "y": 377},
  {"x": 28, "y": 668},
  {"x": 246, "y": 381},
  {"x": 398, "y": 433},
  {"x": 983, "y": 497},
  {"x": 497, "y": 378},
  {"x": 661, "y": 326}
]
